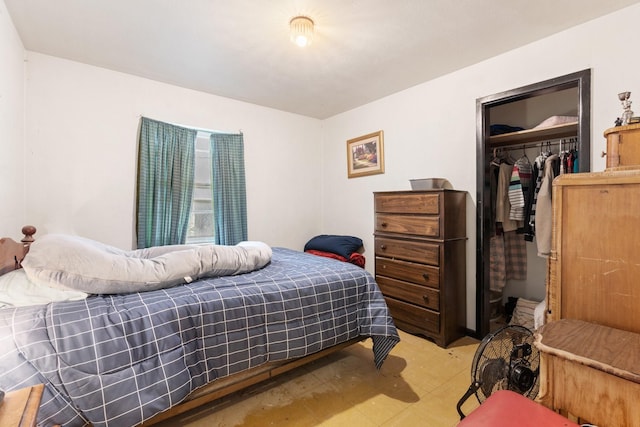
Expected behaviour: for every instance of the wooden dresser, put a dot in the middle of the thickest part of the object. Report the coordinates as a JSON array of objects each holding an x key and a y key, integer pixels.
[{"x": 420, "y": 239}]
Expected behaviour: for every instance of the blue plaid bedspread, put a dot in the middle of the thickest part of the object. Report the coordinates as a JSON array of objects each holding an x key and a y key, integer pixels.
[{"x": 118, "y": 360}]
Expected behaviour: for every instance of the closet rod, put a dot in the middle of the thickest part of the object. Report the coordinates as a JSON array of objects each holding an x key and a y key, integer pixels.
[{"x": 573, "y": 140}]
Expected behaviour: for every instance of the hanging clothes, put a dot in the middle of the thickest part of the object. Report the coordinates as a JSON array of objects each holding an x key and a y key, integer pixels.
[
  {"x": 570, "y": 159},
  {"x": 525, "y": 172},
  {"x": 534, "y": 189},
  {"x": 543, "y": 208},
  {"x": 507, "y": 259},
  {"x": 515, "y": 251},
  {"x": 507, "y": 249},
  {"x": 516, "y": 197},
  {"x": 518, "y": 189},
  {"x": 503, "y": 205},
  {"x": 497, "y": 263},
  {"x": 494, "y": 171}
]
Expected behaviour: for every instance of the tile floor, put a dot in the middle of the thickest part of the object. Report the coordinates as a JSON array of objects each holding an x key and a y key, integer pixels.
[{"x": 419, "y": 385}]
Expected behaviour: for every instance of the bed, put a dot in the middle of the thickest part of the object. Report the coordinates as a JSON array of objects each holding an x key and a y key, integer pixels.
[{"x": 127, "y": 359}]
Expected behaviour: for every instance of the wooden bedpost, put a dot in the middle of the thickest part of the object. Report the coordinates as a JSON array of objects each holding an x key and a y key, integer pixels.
[
  {"x": 12, "y": 253},
  {"x": 28, "y": 231}
]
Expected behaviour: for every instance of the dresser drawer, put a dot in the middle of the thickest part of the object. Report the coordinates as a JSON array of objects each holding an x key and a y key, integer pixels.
[
  {"x": 418, "y": 203},
  {"x": 418, "y": 317},
  {"x": 427, "y": 253},
  {"x": 408, "y": 271},
  {"x": 415, "y": 294},
  {"x": 428, "y": 226}
]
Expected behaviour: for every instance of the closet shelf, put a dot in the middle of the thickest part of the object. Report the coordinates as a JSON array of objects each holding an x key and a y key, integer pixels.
[{"x": 534, "y": 135}]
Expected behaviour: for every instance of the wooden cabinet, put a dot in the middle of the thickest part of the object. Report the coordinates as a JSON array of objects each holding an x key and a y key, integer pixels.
[
  {"x": 623, "y": 147},
  {"x": 595, "y": 263},
  {"x": 420, "y": 239},
  {"x": 589, "y": 346}
]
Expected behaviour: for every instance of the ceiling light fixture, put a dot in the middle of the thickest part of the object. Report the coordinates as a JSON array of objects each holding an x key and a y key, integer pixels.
[{"x": 301, "y": 30}]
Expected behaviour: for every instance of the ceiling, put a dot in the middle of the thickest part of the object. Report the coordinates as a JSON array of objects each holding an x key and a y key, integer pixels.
[{"x": 363, "y": 50}]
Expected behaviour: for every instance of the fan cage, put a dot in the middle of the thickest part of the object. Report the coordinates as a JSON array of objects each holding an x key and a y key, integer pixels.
[{"x": 493, "y": 363}]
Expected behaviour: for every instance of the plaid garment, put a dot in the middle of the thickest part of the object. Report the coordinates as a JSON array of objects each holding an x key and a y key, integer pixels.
[
  {"x": 515, "y": 256},
  {"x": 497, "y": 264},
  {"x": 507, "y": 259}
]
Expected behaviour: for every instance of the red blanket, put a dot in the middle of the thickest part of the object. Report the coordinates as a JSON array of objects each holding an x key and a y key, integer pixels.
[{"x": 355, "y": 258}]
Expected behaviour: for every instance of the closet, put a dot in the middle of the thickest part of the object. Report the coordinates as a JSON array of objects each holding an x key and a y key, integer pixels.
[{"x": 552, "y": 116}]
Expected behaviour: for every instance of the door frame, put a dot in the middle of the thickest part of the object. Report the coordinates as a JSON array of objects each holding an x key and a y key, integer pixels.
[{"x": 580, "y": 80}]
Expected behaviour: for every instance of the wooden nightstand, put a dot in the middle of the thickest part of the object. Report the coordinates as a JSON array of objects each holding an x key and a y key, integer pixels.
[{"x": 19, "y": 408}]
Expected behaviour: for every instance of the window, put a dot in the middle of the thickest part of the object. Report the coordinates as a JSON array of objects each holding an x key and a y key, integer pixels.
[
  {"x": 201, "y": 223},
  {"x": 178, "y": 169}
]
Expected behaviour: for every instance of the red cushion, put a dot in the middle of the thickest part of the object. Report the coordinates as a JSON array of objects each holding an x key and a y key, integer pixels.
[{"x": 506, "y": 408}]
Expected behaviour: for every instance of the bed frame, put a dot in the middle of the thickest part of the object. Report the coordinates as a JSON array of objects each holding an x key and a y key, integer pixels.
[{"x": 11, "y": 255}]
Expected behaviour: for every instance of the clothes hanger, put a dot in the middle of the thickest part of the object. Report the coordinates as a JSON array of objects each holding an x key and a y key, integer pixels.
[
  {"x": 524, "y": 154},
  {"x": 496, "y": 160}
]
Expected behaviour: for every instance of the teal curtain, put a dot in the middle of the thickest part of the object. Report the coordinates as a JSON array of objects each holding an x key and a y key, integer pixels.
[
  {"x": 166, "y": 156},
  {"x": 229, "y": 188}
]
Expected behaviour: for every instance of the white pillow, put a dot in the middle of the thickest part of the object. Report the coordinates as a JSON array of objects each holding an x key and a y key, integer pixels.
[
  {"x": 16, "y": 290},
  {"x": 73, "y": 262}
]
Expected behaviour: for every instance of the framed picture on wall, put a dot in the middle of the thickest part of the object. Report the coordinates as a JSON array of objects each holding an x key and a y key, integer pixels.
[{"x": 365, "y": 155}]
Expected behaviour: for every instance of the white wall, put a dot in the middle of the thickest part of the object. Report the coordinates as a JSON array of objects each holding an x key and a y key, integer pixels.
[
  {"x": 12, "y": 161},
  {"x": 82, "y": 127},
  {"x": 430, "y": 129},
  {"x": 82, "y": 124}
]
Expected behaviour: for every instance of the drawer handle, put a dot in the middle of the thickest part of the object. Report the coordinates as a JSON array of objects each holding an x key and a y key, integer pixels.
[
  {"x": 425, "y": 298},
  {"x": 384, "y": 224},
  {"x": 426, "y": 277},
  {"x": 383, "y": 247}
]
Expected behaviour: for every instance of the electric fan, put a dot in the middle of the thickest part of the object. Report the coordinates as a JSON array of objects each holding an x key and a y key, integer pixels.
[{"x": 505, "y": 360}]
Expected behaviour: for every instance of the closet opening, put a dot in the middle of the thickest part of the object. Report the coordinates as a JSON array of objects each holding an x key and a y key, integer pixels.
[{"x": 519, "y": 125}]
